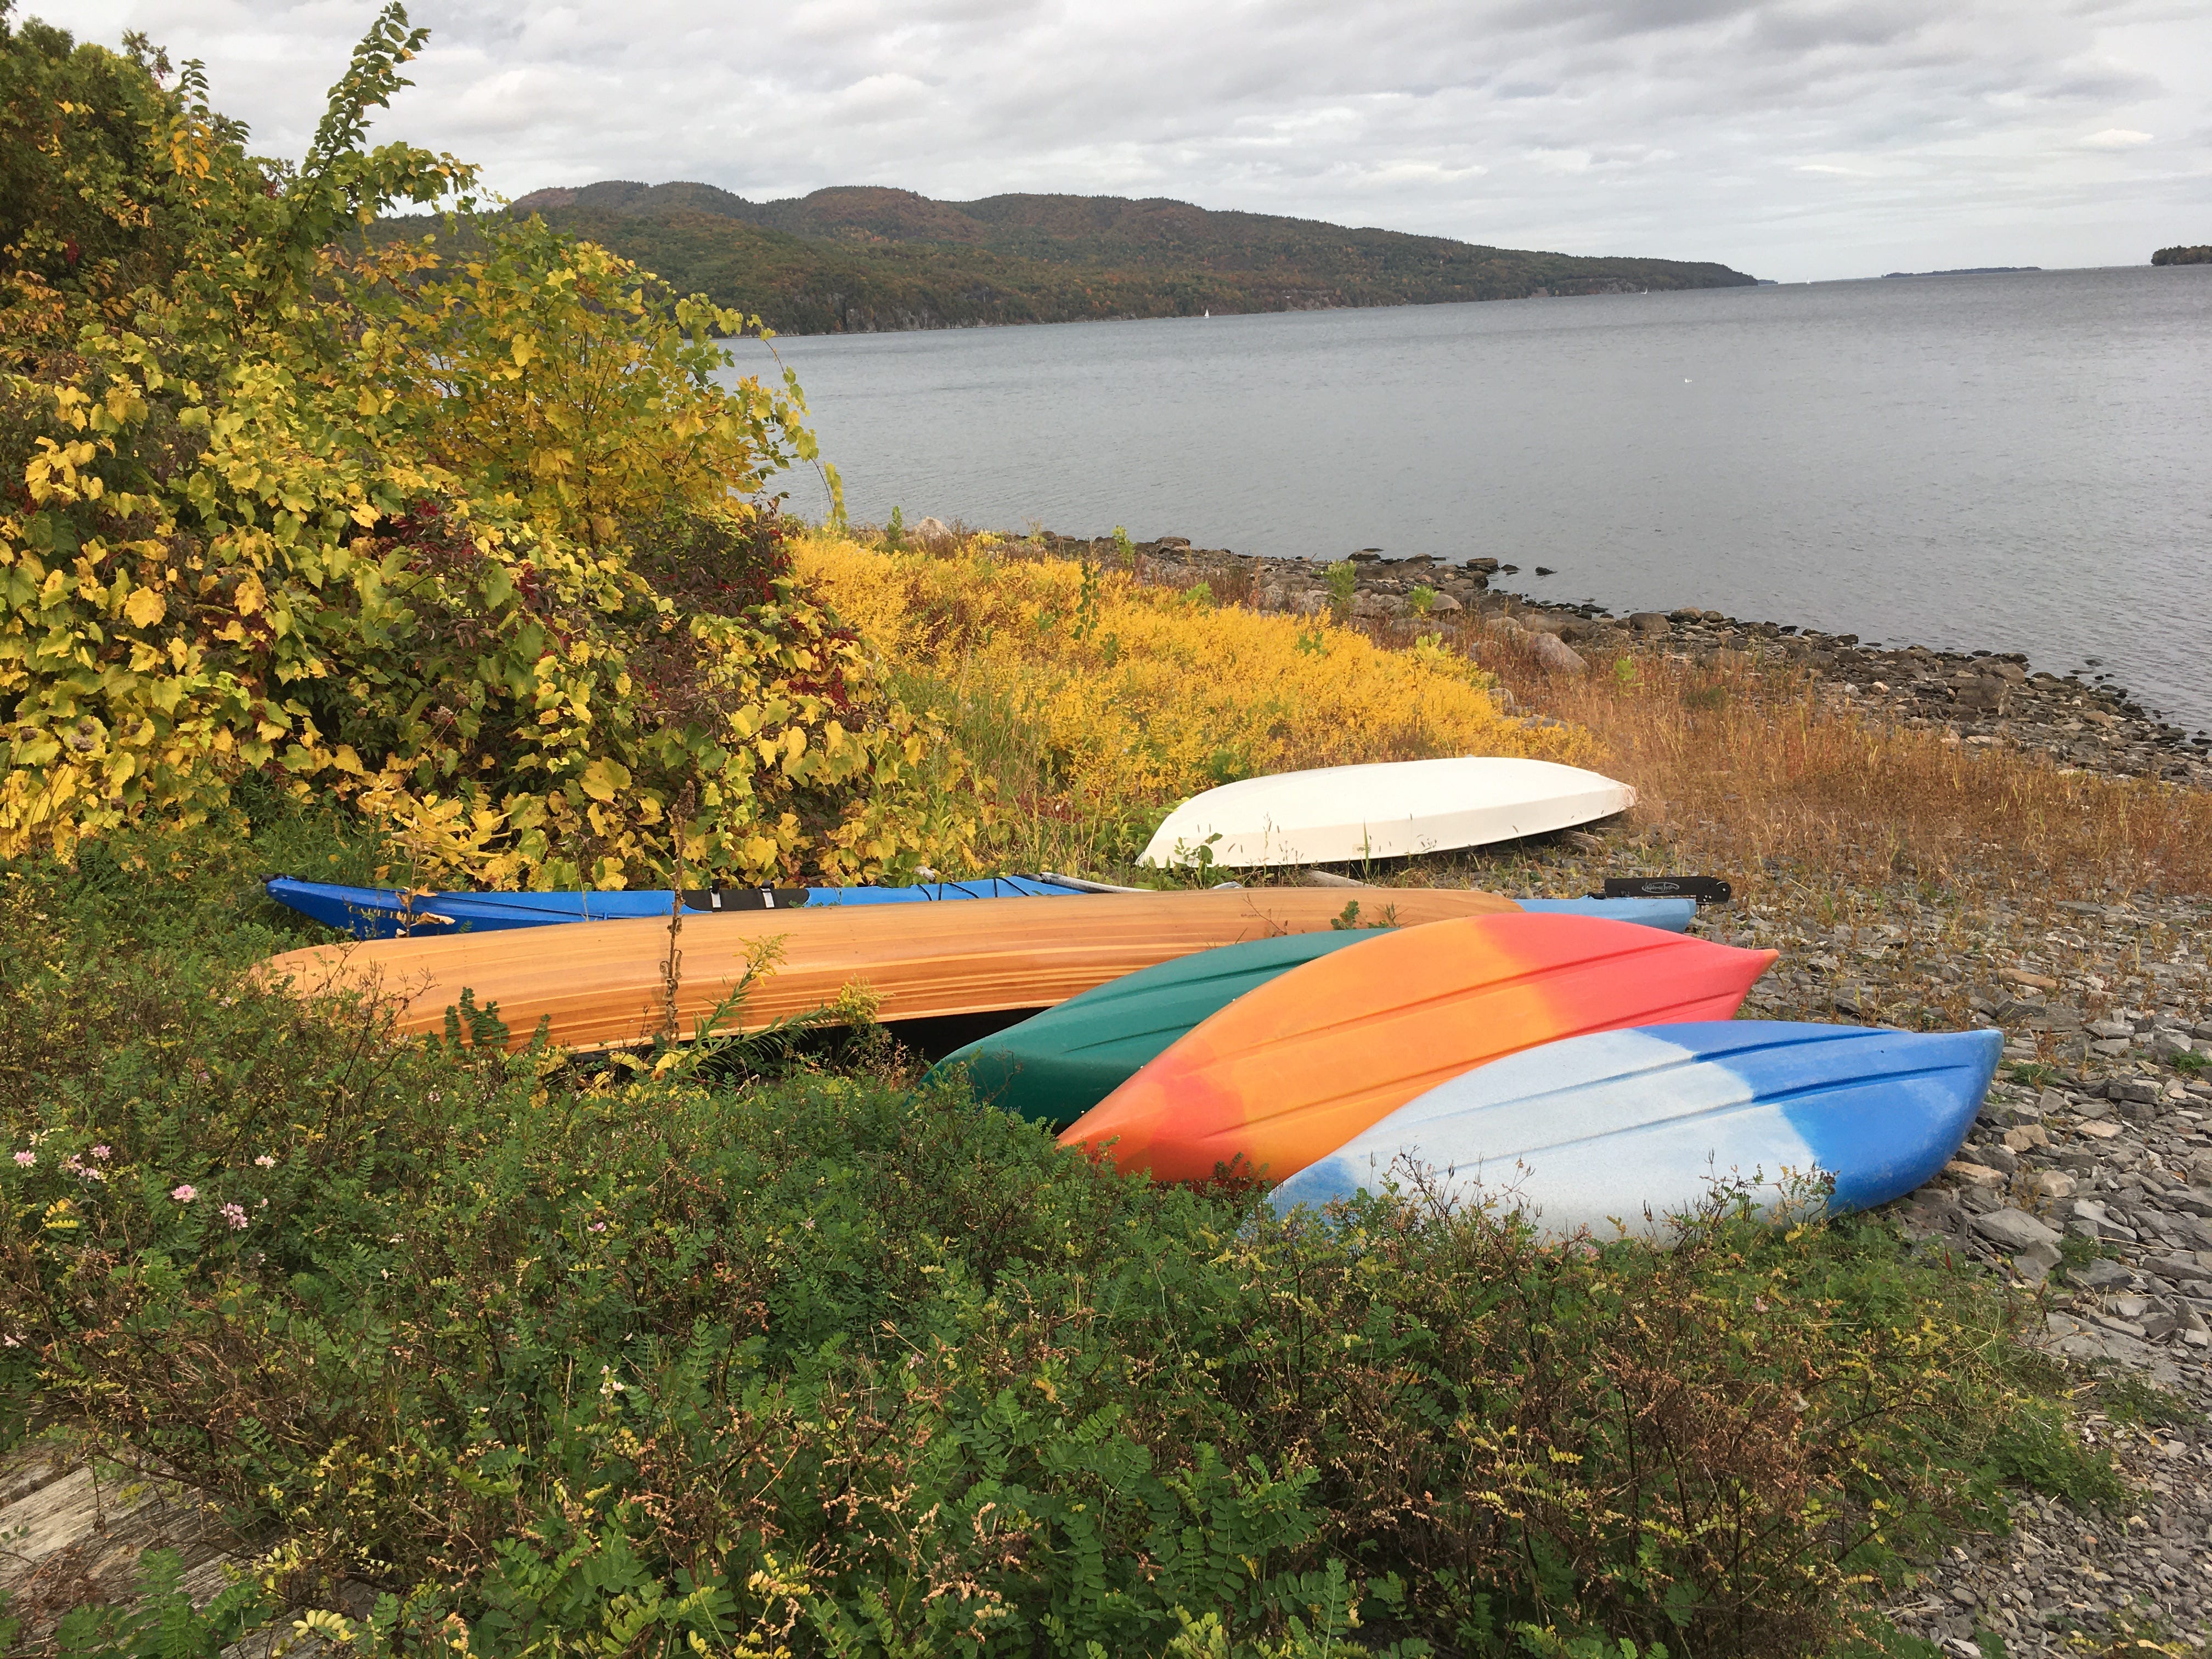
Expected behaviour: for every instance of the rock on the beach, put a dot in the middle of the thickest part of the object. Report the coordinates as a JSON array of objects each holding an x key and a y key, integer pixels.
[
  {"x": 2101, "y": 1273},
  {"x": 1377, "y": 604},
  {"x": 1650, "y": 621},
  {"x": 1443, "y": 603},
  {"x": 1555, "y": 656},
  {"x": 2015, "y": 1230}
]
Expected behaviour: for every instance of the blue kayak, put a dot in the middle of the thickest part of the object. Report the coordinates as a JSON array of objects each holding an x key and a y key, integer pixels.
[
  {"x": 1624, "y": 1129},
  {"x": 381, "y": 912}
]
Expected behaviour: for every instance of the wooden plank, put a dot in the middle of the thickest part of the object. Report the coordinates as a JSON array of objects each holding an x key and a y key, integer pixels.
[{"x": 599, "y": 983}]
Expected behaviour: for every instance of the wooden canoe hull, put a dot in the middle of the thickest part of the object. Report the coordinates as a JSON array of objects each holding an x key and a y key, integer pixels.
[{"x": 599, "y": 984}]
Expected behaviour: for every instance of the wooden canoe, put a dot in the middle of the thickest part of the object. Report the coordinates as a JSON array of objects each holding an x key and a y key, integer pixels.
[{"x": 599, "y": 983}]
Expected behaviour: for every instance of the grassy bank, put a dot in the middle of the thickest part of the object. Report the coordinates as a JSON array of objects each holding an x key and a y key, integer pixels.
[
  {"x": 507, "y": 1352},
  {"x": 779, "y": 1352}
]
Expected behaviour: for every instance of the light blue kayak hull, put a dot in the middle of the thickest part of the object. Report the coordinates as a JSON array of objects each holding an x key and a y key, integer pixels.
[
  {"x": 1675, "y": 914},
  {"x": 1618, "y": 1131}
]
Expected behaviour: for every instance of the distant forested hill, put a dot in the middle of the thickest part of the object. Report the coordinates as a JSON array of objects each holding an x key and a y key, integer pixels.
[
  {"x": 2165, "y": 256},
  {"x": 861, "y": 260}
]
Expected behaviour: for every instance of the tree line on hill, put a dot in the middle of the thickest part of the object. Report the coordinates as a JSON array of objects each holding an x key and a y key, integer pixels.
[
  {"x": 863, "y": 259},
  {"x": 2183, "y": 256}
]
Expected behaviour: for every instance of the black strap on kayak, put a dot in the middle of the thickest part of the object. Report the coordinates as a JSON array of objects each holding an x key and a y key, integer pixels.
[
  {"x": 1705, "y": 890},
  {"x": 744, "y": 898}
]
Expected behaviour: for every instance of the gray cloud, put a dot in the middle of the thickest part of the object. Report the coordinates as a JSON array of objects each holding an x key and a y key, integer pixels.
[{"x": 1795, "y": 139}]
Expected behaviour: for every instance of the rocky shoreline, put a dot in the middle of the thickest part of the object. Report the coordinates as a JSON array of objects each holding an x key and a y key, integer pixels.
[
  {"x": 1980, "y": 696},
  {"x": 2085, "y": 1188},
  {"x": 2087, "y": 1184}
]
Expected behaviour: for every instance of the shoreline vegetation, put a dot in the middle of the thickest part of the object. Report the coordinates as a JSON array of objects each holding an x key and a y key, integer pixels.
[
  {"x": 860, "y": 259},
  {"x": 393, "y": 564}
]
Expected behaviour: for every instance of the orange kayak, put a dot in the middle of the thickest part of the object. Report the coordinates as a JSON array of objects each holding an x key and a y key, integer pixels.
[
  {"x": 599, "y": 983},
  {"x": 1290, "y": 1071}
]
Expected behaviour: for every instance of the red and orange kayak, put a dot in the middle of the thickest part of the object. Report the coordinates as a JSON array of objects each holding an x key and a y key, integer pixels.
[{"x": 1292, "y": 1070}]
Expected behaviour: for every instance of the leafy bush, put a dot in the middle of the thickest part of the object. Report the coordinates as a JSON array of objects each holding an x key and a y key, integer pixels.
[
  {"x": 1343, "y": 580},
  {"x": 394, "y": 522},
  {"x": 627, "y": 1357},
  {"x": 1136, "y": 697}
]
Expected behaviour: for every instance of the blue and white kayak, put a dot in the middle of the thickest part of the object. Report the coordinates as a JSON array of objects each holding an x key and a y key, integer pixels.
[
  {"x": 382, "y": 913},
  {"x": 1619, "y": 1131}
]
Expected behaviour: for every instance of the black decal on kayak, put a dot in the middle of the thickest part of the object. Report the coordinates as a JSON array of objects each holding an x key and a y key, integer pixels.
[
  {"x": 744, "y": 898},
  {"x": 1705, "y": 890}
]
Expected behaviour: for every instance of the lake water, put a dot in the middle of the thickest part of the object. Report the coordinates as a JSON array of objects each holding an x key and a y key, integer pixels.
[{"x": 2015, "y": 463}]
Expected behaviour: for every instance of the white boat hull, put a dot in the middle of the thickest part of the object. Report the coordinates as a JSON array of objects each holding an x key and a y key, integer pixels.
[{"x": 1350, "y": 814}]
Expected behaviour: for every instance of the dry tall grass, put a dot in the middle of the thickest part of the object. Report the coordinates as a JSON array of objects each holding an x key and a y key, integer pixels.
[{"x": 1743, "y": 764}]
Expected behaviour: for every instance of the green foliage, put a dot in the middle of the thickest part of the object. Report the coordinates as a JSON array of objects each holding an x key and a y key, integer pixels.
[
  {"x": 1423, "y": 598},
  {"x": 894, "y": 529},
  {"x": 405, "y": 526},
  {"x": 160, "y": 1621},
  {"x": 2127, "y": 1397},
  {"x": 1343, "y": 581},
  {"x": 1351, "y": 918}
]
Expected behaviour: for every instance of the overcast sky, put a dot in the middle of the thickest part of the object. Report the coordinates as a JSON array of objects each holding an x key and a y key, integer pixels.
[{"x": 1795, "y": 139}]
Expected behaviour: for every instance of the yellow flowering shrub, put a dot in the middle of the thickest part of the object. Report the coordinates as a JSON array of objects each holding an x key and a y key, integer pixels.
[
  {"x": 459, "y": 537},
  {"x": 1140, "y": 696}
]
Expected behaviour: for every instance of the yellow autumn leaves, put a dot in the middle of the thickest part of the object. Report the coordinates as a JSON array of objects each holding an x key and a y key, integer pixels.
[
  {"x": 459, "y": 539},
  {"x": 1137, "y": 697}
]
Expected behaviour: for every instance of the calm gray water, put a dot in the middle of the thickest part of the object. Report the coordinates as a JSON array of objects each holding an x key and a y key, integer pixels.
[{"x": 2015, "y": 463}]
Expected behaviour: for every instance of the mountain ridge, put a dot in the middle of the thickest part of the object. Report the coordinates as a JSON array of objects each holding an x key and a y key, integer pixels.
[{"x": 866, "y": 258}]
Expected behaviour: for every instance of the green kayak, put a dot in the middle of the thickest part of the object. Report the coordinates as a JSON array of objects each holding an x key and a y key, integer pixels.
[{"x": 1056, "y": 1066}]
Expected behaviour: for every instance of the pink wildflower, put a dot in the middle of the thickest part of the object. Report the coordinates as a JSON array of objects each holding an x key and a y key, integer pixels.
[
  {"x": 235, "y": 1214},
  {"x": 599, "y": 1226},
  {"x": 27, "y": 1158},
  {"x": 266, "y": 1162},
  {"x": 103, "y": 1153},
  {"x": 185, "y": 1193}
]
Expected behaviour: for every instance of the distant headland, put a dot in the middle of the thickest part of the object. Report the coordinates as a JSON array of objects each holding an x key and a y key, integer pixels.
[
  {"x": 865, "y": 259},
  {"x": 1965, "y": 270},
  {"x": 2182, "y": 256}
]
